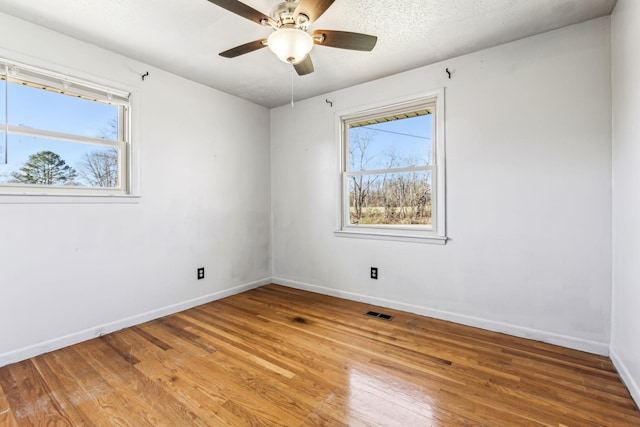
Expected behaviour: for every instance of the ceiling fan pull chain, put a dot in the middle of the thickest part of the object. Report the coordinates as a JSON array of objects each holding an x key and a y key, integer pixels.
[{"x": 292, "y": 86}]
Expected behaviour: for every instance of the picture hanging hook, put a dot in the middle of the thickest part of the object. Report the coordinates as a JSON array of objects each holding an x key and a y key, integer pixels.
[
  {"x": 329, "y": 102},
  {"x": 144, "y": 75},
  {"x": 448, "y": 72}
]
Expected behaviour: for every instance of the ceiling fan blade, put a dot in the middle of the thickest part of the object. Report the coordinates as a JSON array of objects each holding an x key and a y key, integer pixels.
[
  {"x": 241, "y": 9},
  {"x": 304, "y": 67},
  {"x": 312, "y": 8},
  {"x": 345, "y": 40},
  {"x": 244, "y": 48}
]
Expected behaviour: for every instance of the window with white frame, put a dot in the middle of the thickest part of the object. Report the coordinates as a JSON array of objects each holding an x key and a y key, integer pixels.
[
  {"x": 60, "y": 135},
  {"x": 393, "y": 170}
]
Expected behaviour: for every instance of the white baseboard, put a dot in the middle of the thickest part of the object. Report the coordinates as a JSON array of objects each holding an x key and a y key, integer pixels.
[
  {"x": 87, "y": 334},
  {"x": 624, "y": 373},
  {"x": 491, "y": 325}
]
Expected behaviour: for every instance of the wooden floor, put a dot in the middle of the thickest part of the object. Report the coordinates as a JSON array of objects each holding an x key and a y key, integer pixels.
[{"x": 277, "y": 356}]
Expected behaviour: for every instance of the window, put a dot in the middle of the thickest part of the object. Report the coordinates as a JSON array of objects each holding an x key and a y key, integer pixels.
[
  {"x": 60, "y": 135},
  {"x": 393, "y": 171}
]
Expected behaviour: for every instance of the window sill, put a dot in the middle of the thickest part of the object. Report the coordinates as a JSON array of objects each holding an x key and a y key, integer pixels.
[
  {"x": 14, "y": 198},
  {"x": 434, "y": 240}
]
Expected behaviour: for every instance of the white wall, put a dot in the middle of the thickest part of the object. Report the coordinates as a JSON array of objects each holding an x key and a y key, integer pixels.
[
  {"x": 625, "y": 336},
  {"x": 71, "y": 271},
  {"x": 529, "y": 203}
]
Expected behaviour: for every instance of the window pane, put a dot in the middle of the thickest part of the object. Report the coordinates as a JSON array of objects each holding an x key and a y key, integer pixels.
[
  {"x": 42, "y": 161},
  {"x": 46, "y": 110},
  {"x": 391, "y": 199},
  {"x": 391, "y": 144}
]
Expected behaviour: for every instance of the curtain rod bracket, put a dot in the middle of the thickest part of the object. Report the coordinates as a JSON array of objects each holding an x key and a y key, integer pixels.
[{"x": 144, "y": 75}]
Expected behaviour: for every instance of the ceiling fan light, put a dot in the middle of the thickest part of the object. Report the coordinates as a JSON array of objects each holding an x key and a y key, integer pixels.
[{"x": 290, "y": 44}]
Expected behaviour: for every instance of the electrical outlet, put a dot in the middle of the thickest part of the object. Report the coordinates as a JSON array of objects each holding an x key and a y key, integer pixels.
[
  {"x": 374, "y": 273},
  {"x": 201, "y": 273}
]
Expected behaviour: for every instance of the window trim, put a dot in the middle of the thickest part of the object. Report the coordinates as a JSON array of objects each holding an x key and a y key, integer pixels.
[
  {"x": 123, "y": 99},
  {"x": 436, "y": 235}
]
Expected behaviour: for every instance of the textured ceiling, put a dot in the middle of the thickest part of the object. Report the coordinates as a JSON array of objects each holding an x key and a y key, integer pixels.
[{"x": 185, "y": 36}]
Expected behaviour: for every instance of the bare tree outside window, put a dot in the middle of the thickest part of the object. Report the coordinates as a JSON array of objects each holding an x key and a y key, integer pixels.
[
  {"x": 100, "y": 168},
  {"x": 361, "y": 184}
]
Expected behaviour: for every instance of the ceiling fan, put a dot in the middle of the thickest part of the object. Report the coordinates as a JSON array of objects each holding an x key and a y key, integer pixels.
[{"x": 290, "y": 40}]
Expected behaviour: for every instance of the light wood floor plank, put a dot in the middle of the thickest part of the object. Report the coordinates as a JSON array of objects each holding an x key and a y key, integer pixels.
[
  {"x": 6, "y": 415},
  {"x": 276, "y": 356}
]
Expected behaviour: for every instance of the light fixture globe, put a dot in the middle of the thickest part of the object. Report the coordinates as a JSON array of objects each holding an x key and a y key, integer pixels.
[{"x": 290, "y": 44}]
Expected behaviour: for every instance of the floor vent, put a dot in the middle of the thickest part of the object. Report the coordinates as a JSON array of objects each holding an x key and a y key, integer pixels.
[{"x": 379, "y": 315}]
